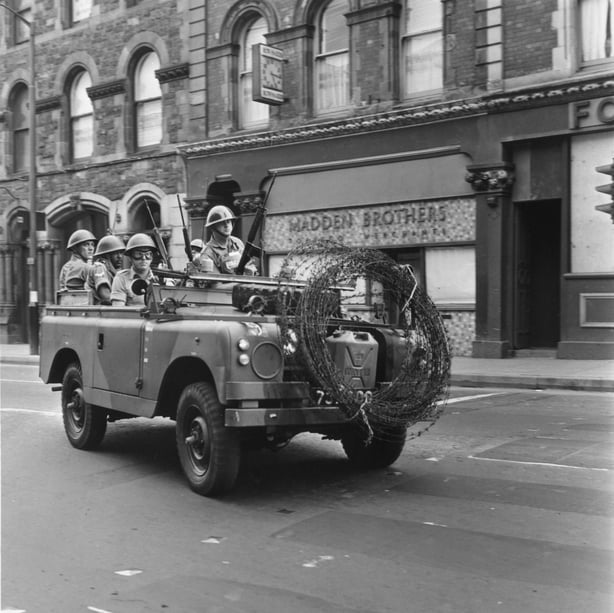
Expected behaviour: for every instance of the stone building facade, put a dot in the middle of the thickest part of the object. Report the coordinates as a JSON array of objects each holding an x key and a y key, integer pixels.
[
  {"x": 460, "y": 137},
  {"x": 102, "y": 163}
]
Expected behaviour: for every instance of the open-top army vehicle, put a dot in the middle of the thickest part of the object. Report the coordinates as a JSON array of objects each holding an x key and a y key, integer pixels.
[{"x": 341, "y": 342}]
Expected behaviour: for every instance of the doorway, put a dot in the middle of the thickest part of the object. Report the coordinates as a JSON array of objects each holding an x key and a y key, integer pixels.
[{"x": 537, "y": 271}]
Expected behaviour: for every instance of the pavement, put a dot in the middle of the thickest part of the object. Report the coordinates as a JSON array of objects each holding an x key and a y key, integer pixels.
[{"x": 541, "y": 372}]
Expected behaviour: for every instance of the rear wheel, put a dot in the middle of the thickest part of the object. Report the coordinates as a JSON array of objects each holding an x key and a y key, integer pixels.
[
  {"x": 85, "y": 425},
  {"x": 383, "y": 449},
  {"x": 210, "y": 453}
]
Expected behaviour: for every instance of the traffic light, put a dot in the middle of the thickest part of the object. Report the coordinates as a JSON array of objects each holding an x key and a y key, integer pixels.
[{"x": 607, "y": 189}]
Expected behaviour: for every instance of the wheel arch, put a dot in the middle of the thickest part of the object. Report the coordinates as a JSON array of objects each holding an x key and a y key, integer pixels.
[
  {"x": 179, "y": 374},
  {"x": 62, "y": 359}
]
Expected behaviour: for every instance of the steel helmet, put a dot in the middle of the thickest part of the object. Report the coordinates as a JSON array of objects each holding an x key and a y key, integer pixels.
[
  {"x": 218, "y": 213},
  {"x": 197, "y": 244},
  {"x": 78, "y": 237},
  {"x": 109, "y": 244},
  {"x": 140, "y": 241}
]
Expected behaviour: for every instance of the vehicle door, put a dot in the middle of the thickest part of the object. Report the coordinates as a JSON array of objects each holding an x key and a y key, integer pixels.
[{"x": 119, "y": 351}]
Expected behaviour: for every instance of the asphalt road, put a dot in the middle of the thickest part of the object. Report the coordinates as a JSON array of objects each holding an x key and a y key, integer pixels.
[{"x": 504, "y": 506}]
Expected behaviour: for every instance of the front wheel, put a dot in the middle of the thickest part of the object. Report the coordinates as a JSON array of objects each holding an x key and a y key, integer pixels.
[
  {"x": 210, "y": 453},
  {"x": 383, "y": 449},
  {"x": 85, "y": 425}
]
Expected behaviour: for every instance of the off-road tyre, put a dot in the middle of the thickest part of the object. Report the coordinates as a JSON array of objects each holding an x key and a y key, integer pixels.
[
  {"x": 382, "y": 451},
  {"x": 209, "y": 453},
  {"x": 85, "y": 424}
]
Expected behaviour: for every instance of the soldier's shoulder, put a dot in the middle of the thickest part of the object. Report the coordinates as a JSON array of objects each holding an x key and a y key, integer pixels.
[{"x": 124, "y": 272}]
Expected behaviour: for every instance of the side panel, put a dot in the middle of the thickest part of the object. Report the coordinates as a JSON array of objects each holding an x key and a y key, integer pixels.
[
  {"x": 72, "y": 330},
  {"x": 117, "y": 354}
]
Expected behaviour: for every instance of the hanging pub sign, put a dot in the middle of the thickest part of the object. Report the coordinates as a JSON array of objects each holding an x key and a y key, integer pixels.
[{"x": 267, "y": 63}]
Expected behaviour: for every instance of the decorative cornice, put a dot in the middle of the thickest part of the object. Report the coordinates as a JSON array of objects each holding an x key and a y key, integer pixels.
[
  {"x": 491, "y": 177},
  {"x": 248, "y": 202},
  {"x": 48, "y": 104},
  {"x": 104, "y": 90},
  {"x": 359, "y": 124},
  {"x": 173, "y": 73}
]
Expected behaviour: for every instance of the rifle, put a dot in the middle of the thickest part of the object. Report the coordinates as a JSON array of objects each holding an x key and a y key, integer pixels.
[
  {"x": 186, "y": 238},
  {"x": 158, "y": 240},
  {"x": 250, "y": 248}
]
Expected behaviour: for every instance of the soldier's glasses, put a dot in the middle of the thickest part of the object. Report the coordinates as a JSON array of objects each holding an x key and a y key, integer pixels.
[{"x": 142, "y": 255}]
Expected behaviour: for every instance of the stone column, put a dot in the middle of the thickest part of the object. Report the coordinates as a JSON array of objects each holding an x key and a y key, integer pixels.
[{"x": 494, "y": 290}]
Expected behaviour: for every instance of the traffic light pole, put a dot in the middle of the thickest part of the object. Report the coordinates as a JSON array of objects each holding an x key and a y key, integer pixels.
[{"x": 607, "y": 189}]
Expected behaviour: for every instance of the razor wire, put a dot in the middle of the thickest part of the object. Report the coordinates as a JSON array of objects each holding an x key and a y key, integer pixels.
[{"x": 342, "y": 289}]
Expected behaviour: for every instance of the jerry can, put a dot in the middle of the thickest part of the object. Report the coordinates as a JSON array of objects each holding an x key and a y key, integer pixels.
[{"x": 355, "y": 355}]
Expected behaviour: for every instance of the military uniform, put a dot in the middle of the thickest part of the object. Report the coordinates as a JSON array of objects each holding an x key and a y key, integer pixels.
[
  {"x": 100, "y": 273},
  {"x": 121, "y": 289},
  {"x": 226, "y": 257},
  {"x": 73, "y": 275}
]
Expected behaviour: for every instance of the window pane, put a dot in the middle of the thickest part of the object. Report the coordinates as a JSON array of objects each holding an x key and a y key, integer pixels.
[
  {"x": 21, "y": 158},
  {"x": 251, "y": 113},
  {"x": 421, "y": 15},
  {"x": 146, "y": 84},
  {"x": 334, "y": 32},
  {"x": 80, "y": 103},
  {"x": 332, "y": 81},
  {"x": 82, "y": 136},
  {"x": 22, "y": 31},
  {"x": 597, "y": 29},
  {"x": 149, "y": 123},
  {"x": 148, "y": 98},
  {"x": 81, "y": 9},
  {"x": 423, "y": 63},
  {"x": 253, "y": 35},
  {"x": 20, "y": 108}
]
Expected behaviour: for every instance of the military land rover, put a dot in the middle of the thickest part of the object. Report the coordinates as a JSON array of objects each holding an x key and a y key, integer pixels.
[{"x": 341, "y": 342}]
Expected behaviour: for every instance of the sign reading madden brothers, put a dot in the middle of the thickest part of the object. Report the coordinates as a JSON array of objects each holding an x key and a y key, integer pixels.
[{"x": 438, "y": 221}]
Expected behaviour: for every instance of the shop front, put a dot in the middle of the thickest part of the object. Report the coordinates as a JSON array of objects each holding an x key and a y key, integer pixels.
[{"x": 492, "y": 203}]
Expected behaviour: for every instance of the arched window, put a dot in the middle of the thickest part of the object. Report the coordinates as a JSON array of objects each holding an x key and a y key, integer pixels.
[
  {"x": 147, "y": 101},
  {"x": 422, "y": 47},
  {"x": 20, "y": 127},
  {"x": 251, "y": 113},
  {"x": 332, "y": 85},
  {"x": 81, "y": 117}
]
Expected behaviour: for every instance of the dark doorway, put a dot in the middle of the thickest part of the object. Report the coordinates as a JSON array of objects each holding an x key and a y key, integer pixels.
[{"x": 537, "y": 274}]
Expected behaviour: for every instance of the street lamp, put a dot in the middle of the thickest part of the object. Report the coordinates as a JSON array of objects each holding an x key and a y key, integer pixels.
[{"x": 33, "y": 292}]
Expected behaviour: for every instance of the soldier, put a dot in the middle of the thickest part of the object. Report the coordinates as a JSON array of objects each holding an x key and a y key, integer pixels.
[
  {"x": 107, "y": 261},
  {"x": 140, "y": 249},
  {"x": 222, "y": 248},
  {"x": 73, "y": 274},
  {"x": 196, "y": 246}
]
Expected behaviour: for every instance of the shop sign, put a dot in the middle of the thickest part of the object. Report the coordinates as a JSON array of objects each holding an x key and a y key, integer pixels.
[
  {"x": 389, "y": 225},
  {"x": 591, "y": 113},
  {"x": 267, "y": 71}
]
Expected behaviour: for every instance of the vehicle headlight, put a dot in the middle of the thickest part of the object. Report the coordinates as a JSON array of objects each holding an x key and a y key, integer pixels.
[
  {"x": 243, "y": 359},
  {"x": 243, "y": 344},
  {"x": 291, "y": 343}
]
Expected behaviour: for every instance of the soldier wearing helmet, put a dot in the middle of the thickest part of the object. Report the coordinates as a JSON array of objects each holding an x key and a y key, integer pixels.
[
  {"x": 107, "y": 261},
  {"x": 73, "y": 275},
  {"x": 222, "y": 248},
  {"x": 196, "y": 246},
  {"x": 140, "y": 249}
]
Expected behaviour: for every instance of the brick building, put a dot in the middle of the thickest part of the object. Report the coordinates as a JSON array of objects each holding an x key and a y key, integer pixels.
[{"x": 460, "y": 137}]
